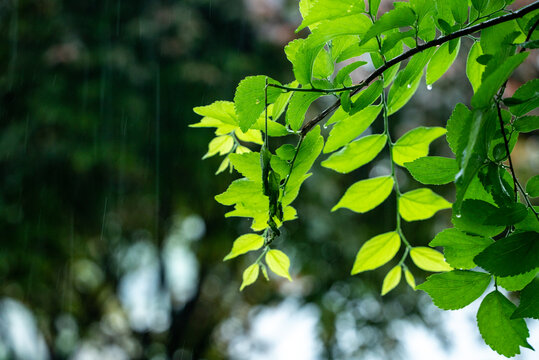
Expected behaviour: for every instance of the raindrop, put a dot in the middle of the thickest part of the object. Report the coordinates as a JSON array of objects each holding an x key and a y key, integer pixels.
[
  {"x": 409, "y": 86},
  {"x": 429, "y": 87},
  {"x": 458, "y": 216}
]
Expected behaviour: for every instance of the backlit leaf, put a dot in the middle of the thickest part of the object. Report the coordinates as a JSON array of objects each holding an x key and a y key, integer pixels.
[
  {"x": 248, "y": 164},
  {"x": 415, "y": 144},
  {"x": 529, "y": 95},
  {"x": 500, "y": 332},
  {"x": 421, "y": 204},
  {"x": 457, "y": 126},
  {"x": 350, "y": 127},
  {"x": 396, "y": 18},
  {"x": 278, "y": 262},
  {"x": 298, "y": 106},
  {"x": 365, "y": 195},
  {"x": 489, "y": 87},
  {"x": 455, "y": 289},
  {"x": 500, "y": 258},
  {"x": 441, "y": 61},
  {"x": 244, "y": 244},
  {"x": 376, "y": 252},
  {"x": 517, "y": 282},
  {"x": 527, "y": 123},
  {"x": 249, "y": 99},
  {"x": 331, "y": 10},
  {"x": 459, "y": 247},
  {"x": 429, "y": 259},
  {"x": 356, "y": 154},
  {"x": 472, "y": 216},
  {"x": 392, "y": 279},
  {"x": 410, "y": 279},
  {"x": 433, "y": 170},
  {"x": 220, "y": 145},
  {"x": 249, "y": 275}
]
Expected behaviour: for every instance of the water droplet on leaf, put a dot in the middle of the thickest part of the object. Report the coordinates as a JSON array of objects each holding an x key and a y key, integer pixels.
[
  {"x": 429, "y": 87},
  {"x": 409, "y": 86}
]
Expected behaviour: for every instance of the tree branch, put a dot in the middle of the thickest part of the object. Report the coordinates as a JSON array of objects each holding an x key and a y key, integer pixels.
[{"x": 439, "y": 41}]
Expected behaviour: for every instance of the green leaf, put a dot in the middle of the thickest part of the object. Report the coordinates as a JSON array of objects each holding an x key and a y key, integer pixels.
[
  {"x": 222, "y": 111},
  {"x": 365, "y": 195},
  {"x": 429, "y": 259},
  {"x": 344, "y": 73},
  {"x": 366, "y": 97},
  {"x": 249, "y": 99},
  {"x": 529, "y": 302},
  {"x": 396, "y": 18},
  {"x": 459, "y": 247},
  {"x": 489, "y": 87},
  {"x": 376, "y": 252},
  {"x": 517, "y": 282},
  {"x": 331, "y": 10},
  {"x": 529, "y": 95},
  {"x": 441, "y": 61},
  {"x": 400, "y": 93},
  {"x": 415, "y": 144},
  {"x": 244, "y": 244},
  {"x": 506, "y": 216},
  {"x": 479, "y": 5},
  {"x": 279, "y": 263},
  {"x": 472, "y": 216},
  {"x": 223, "y": 166},
  {"x": 373, "y": 7},
  {"x": 323, "y": 66},
  {"x": 392, "y": 279},
  {"x": 455, "y": 289},
  {"x": 348, "y": 128},
  {"x": 421, "y": 204},
  {"x": 410, "y": 278},
  {"x": 513, "y": 255},
  {"x": 527, "y": 123},
  {"x": 303, "y": 52},
  {"x": 249, "y": 275},
  {"x": 530, "y": 221},
  {"x": 221, "y": 145},
  {"x": 310, "y": 148},
  {"x": 457, "y": 125},
  {"x": 433, "y": 170},
  {"x": 459, "y": 9},
  {"x": 247, "y": 164},
  {"x": 298, "y": 106},
  {"x": 499, "y": 331},
  {"x": 532, "y": 187},
  {"x": 281, "y": 102},
  {"x": 356, "y": 154}
]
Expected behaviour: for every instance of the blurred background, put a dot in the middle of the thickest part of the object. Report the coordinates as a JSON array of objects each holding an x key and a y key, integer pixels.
[{"x": 111, "y": 241}]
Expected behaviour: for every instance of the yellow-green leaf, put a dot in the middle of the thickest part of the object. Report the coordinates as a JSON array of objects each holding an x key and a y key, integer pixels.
[
  {"x": 356, "y": 154},
  {"x": 376, "y": 252},
  {"x": 251, "y": 135},
  {"x": 221, "y": 144},
  {"x": 279, "y": 263},
  {"x": 249, "y": 276},
  {"x": 415, "y": 144},
  {"x": 409, "y": 278},
  {"x": 429, "y": 259},
  {"x": 223, "y": 166},
  {"x": 365, "y": 195},
  {"x": 245, "y": 243},
  {"x": 391, "y": 280},
  {"x": 421, "y": 204}
]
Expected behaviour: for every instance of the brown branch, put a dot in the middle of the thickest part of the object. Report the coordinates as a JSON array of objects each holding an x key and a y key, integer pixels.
[{"x": 439, "y": 41}]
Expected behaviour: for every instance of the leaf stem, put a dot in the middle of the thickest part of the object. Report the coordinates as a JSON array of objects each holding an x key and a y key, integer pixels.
[
  {"x": 300, "y": 141},
  {"x": 396, "y": 60}
]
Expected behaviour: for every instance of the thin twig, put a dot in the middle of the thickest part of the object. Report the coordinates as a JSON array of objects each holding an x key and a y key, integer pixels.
[
  {"x": 439, "y": 41},
  {"x": 506, "y": 143}
]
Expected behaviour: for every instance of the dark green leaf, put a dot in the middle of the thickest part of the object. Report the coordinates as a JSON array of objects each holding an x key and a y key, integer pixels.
[
  {"x": 499, "y": 331},
  {"x": 455, "y": 289},
  {"x": 433, "y": 170},
  {"x": 526, "y": 124},
  {"x": 444, "y": 26},
  {"x": 479, "y": 5},
  {"x": 532, "y": 44},
  {"x": 529, "y": 302},
  {"x": 471, "y": 217},
  {"x": 529, "y": 95},
  {"x": 460, "y": 248},
  {"x": 457, "y": 129},
  {"x": 529, "y": 223},
  {"x": 506, "y": 215},
  {"x": 513, "y": 255},
  {"x": 532, "y": 187},
  {"x": 484, "y": 59}
]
